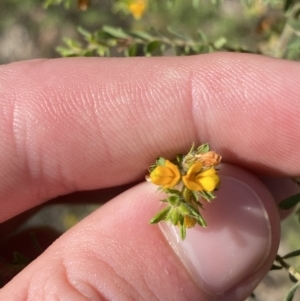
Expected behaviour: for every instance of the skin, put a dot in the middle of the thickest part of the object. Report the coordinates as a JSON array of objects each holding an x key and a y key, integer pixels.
[{"x": 82, "y": 124}]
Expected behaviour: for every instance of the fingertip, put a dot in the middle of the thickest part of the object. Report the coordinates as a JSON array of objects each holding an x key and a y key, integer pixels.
[
  {"x": 236, "y": 250},
  {"x": 116, "y": 253}
]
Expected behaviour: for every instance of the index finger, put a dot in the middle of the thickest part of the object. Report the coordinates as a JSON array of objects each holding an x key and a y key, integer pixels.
[{"x": 80, "y": 124}]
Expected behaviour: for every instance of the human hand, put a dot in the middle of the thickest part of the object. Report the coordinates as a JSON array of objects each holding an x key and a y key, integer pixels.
[{"x": 81, "y": 124}]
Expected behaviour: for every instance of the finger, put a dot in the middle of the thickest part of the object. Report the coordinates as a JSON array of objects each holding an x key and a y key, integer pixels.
[
  {"x": 114, "y": 254},
  {"x": 80, "y": 124},
  {"x": 92, "y": 196}
]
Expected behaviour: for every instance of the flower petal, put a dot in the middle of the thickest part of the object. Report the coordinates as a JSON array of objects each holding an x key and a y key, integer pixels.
[
  {"x": 208, "y": 183},
  {"x": 166, "y": 176},
  {"x": 195, "y": 168},
  {"x": 208, "y": 172},
  {"x": 190, "y": 184}
]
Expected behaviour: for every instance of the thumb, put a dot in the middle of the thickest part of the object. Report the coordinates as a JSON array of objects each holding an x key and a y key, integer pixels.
[{"x": 114, "y": 254}]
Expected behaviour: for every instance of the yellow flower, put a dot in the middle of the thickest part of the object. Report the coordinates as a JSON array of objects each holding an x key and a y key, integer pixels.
[
  {"x": 137, "y": 8},
  {"x": 196, "y": 180},
  {"x": 166, "y": 176}
]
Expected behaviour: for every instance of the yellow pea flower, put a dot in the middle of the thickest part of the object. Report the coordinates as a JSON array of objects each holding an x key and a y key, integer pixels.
[
  {"x": 196, "y": 180},
  {"x": 137, "y": 8},
  {"x": 166, "y": 176}
]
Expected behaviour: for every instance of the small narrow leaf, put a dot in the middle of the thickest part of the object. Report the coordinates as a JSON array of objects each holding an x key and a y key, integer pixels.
[
  {"x": 173, "y": 200},
  {"x": 174, "y": 216},
  {"x": 219, "y": 43},
  {"x": 161, "y": 215},
  {"x": 132, "y": 50},
  {"x": 201, "y": 221},
  {"x": 292, "y": 254},
  {"x": 84, "y": 32},
  {"x": 208, "y": 196},
  {"x": 177, "y": 34},
  {"x": 179, "y": 158},
  {"x": 161, "y": 161},
  {"x": 291, "y": 293},
  {"x": 115, "y": 32},
  {"x": 182, "y": 232},
  {"x": 151, "y": 47},
  {"x": 142, "y": 35},
  {"x": 204, "y": 148},
  {"x": 173, "y": 191},
  {"x": 202, "y": 36},
  {"x": 290, "y": 202}
]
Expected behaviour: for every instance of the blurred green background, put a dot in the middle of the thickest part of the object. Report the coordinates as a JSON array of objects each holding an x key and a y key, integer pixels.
[{"x": 28, "y": 30}]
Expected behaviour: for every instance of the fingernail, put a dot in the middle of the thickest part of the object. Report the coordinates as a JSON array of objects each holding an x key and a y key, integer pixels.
[{"x": 237, "y": 240}]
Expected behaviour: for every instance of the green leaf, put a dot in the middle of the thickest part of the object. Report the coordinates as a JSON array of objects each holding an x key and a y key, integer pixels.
[
  {"x": 152, "y": 167},
  {"x": 67, "y": 3},
  {"x": 291, "y": 293},
  {"x": 132, "y": 50},
  {"x": 64, "y": 52},
  {"x": 185, "y": 209},
  {"x": 292, "y": 254},
  {"x": 220, "y": 43},
  {"x": 115, "y": 32},
  {"x": 161, "y": 161},
  {"x": 191, "y": 149},
  {"x": 173, "y": 216},
  {"x": 174, "y": 200},
  {"x": 202, "y": 149},
  {"x": 84, "y": 33},
  {"x": 201, "y": 221},
  {"x": 199, "y": 48},
  {"x": 290, "y": 202},
  {"x": 161, "y": 215},
  {"x": 142, "y": 35},
  {"x": 173, "y": 191},
  {"x": 179, "y": 158},
  {"x": 177, "y": 34},
  {"x": 202, "y": 36},
  {"x": 193, "y": 212},
  {"x": 103, "y": 51},
  {"x": 208, "y": 196},
  {"x": 182, "y": 232},
  {"x": 151, "y": 47}
]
